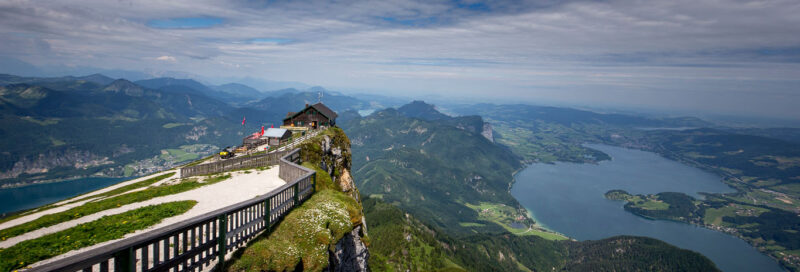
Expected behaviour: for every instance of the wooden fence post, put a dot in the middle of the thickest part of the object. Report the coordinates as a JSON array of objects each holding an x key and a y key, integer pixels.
[
  {"x": 268, "y": 215},
  {"x": 296, "y": 194},
  {"x": 124, "y": 260},
  {"x": 314, "y": 182},
  {"x": 222, "y": 241}
]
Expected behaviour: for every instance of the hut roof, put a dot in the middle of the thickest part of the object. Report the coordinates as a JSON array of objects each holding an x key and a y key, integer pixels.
[
  {"x": 275, "y": 132},
  {"x": 321, "y": 108}
]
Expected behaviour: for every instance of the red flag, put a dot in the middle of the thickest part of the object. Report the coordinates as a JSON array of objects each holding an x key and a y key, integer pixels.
[
  {"x": 243, "y": 118},
  {"x": 272, "y": 126},
  {"x": 262, "y": 130}
]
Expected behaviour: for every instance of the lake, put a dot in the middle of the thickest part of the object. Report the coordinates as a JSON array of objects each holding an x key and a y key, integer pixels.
[
  {"x": 569, "y": 198},
  {"x": 15, "y": 199}
]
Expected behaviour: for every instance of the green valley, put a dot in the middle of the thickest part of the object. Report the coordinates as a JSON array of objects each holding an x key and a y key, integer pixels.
[{"x": 440, "y": 200}]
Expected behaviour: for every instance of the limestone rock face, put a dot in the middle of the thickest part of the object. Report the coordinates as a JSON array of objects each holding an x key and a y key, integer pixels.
[
  {"x": 332, "y": 153},
  {"x": 351, "y": 253},
  {"x": 487, "y": 131},
  {"x": 346, "y": 181}
]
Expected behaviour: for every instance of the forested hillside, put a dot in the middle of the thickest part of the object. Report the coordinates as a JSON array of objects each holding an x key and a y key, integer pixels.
[
  {"x": 438, "y": 199},
  {"x": 55, "y": 128},
  {"x": 430, "y": 168}
]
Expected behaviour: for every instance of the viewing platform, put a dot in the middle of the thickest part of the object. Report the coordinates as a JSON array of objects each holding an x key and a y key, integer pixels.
[{"x": 243, "y": 197}]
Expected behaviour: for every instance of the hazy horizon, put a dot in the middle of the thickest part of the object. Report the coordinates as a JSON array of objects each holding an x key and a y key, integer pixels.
[{"x": 696, "y": 58}]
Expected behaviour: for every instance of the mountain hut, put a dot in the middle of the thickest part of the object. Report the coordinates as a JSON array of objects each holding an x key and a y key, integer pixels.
[{"x": 312, "y": 116}]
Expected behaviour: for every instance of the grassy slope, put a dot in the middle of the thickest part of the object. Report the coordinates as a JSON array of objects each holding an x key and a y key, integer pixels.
[
  {"x": 304, "y": 237},
  {"x": 87, "y": 234},
  {"x": 401, "y": 243},
  {"x": 108, "y": 203},
  {"x": 431, "y": 169},
  {"x": 302, "y": 240},
  {"x": 126, "y": 188}
]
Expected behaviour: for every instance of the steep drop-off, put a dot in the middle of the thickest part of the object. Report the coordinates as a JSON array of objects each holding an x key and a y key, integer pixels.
[{"x": 327, "y": 232}]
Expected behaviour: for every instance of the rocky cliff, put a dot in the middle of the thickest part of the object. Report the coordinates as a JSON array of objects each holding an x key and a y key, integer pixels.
[
  {"x": 78, "y": 159},
  {"x": 332, "y": 154},
  {"x": 327, "y": 232}
]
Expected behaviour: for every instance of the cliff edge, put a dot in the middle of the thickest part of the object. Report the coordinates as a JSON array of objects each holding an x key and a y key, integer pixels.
[{"x": 328, "y": 232}]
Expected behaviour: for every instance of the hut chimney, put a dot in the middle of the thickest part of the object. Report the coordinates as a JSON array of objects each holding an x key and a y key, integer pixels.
[{"x": 306, "y": 105}]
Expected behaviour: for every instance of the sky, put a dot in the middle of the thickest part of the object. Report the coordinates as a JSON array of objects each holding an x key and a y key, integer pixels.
[{"x": 733, "y": 57}]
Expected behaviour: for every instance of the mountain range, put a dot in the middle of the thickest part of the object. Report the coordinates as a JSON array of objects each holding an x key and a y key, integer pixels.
[
  {"x": 437, "y": 198},
  {"x": 436, "y": 185},
  {"x": 55, "y": 128}
]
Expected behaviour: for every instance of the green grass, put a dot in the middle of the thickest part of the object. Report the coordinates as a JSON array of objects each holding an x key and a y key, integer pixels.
[
  {"x": 305, "y": 235},
  {"x": 647, "y": 202},
  {"x": 324, "y": 181},
  {"x": 714, "y": 215},
  {"x": 128, "y": 187},
  {"x": 792, "y": 188},
  {"x": 544, "y": 234},
  {"x": 198, "y": 161},
  {"x": 764, "y": 198},
  {"x": 113, "y": 192},
  {"x": 652, "y": 204},
  {"x": 57, "y": 142},
  {"x": 179, "y": 155},
  {"x": 87, "y": 234},
  {"x": 504, "y": 215},
  {"x": 109, "y": 203},
  {"x": 128, "y": 171}
]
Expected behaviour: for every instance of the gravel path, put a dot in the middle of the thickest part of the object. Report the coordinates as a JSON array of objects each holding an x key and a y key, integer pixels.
[{"x": 239, "y": 187}]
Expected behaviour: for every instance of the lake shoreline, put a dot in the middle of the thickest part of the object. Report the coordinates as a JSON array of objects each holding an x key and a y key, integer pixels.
[
  {"x": 558, "y": 175},
  {"x": 20, "y": 199},
  {"x": 729, "y": 230}
]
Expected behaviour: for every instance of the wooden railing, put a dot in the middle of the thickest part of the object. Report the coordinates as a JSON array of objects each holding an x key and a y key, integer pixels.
[
  {"x": 232, "y": 164},
  {"x": 199, "y": 243}
]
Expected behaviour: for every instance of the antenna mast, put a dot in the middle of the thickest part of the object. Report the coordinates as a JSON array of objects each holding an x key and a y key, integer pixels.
[{"x": 320, "y": 97}]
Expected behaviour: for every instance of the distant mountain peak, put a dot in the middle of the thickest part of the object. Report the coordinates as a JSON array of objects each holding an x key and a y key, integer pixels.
[
  {"x": 317, "y": 89},
  {"x": 157, "y": 83},
  {"x": 121, "y": 82},
  {"x": 124, "y": 86},
  {"x": 238, "y": 89},
  {"x": 420, "y": 109},
  {"x": 97, "y": 78},
  {"x": 23, "y": 95}
]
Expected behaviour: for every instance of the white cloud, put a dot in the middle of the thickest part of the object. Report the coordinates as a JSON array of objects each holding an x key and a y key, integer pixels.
[
  {"x": 166, "y": 58},
  {"x": 679, "y": 46}
]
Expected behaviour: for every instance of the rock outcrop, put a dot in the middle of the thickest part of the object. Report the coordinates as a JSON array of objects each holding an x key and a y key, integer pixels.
[
  {"x": 331, "y": 151},
  {"x": 487, "y": 131},
  {"x": 78, "y": 159},
  {"x": 351, "y": 253}
]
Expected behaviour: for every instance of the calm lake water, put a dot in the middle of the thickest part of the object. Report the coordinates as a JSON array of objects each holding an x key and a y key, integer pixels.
[
  {"x": 568, "y": 198},
  {"x": 15, "y": 199}
]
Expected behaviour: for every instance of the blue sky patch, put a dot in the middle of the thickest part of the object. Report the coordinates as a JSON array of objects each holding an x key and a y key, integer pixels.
[
  {"x": 270, "y": 40},
  {"x": 412, "y": 21},
  {"x": 453, "y": 62},
  {"x": 185, "y": 23}
]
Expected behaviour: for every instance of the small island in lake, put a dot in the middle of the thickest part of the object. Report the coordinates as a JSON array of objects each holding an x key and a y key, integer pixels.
[{"x": 667, "y": 205}]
